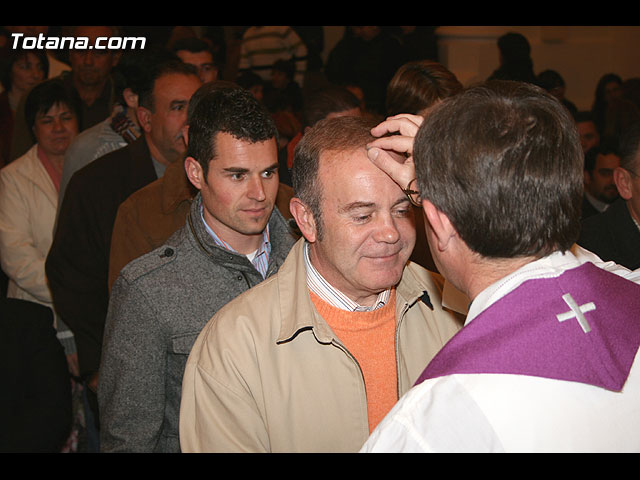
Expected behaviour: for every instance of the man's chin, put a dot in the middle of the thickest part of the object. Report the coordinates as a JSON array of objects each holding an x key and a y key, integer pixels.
[
  {"x": 384, "y": 278},
  {"x": 255, "y": 226}
]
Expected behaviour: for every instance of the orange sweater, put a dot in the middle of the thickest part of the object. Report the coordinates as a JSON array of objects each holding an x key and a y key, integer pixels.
[{"x": 370, "y": 338}]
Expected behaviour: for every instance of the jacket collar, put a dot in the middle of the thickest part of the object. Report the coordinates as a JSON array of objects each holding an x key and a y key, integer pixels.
[{"x": 296, "y": 307}]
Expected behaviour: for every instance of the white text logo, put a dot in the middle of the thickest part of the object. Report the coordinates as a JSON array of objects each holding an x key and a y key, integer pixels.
[{"x": 76, "y": 43}]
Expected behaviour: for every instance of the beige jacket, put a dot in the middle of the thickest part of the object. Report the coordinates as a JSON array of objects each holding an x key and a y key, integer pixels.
[
  {"x": 28, "y": 203},
  {"x": 267, "y": 374}
]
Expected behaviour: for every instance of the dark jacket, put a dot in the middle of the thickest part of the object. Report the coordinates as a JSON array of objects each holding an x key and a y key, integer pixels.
[
  {"x": 613, "y": 236},
  {"x": 78, "y": 263},
  {"x": 159, "y": 304},
  {"x": 35, "y": 405}
]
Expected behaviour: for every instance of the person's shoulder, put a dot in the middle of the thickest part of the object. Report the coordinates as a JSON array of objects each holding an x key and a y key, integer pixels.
[
  {"x": 110, "y": 163},
  {"x": 26, "y": 168},
  {"x": 88, "y": 141},
  {"x": 152, "y": 264},
  {"x": 596, "y": 230},
  {"x": 90, "y": 133},
  {"x": 98, "y": 176},
  {"x": 139, "y": 200}
]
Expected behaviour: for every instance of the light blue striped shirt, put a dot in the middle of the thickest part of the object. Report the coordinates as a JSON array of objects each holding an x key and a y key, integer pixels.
[
  {"x": 259, "y": 258},
  {"x": 318, "y": 285}
]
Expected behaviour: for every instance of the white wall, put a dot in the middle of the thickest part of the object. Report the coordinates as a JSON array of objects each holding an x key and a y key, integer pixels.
[{"x": 581, "y": 54}]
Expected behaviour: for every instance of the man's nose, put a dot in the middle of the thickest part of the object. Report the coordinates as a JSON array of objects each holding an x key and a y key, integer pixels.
[
  {"x": 256, "y": 189},
  {"x": 387, "y": 231}
]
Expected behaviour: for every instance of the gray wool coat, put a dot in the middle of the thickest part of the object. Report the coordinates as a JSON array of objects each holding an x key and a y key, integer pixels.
[{"x": 157, "y": 308}]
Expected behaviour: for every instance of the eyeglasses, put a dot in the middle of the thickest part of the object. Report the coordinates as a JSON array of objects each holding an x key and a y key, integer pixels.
[{"x": 412, "y": 195}]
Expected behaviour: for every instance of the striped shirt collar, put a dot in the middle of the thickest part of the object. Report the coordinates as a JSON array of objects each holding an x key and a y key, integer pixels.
[
  {"x": 260, "y": 259},
  {"x": 318, "y": 285}
]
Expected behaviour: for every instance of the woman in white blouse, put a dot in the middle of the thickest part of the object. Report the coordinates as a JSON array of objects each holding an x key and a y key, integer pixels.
[{"x": 29, "y": 192}]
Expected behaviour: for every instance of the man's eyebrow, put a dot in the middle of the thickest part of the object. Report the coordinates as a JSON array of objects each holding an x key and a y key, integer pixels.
[
  {"x": 356, "y": 205},
  {"x": 402, "y": 199},
  {"x": 245, "y": 170},
  {"x": 236, "y": 170},
  {"x": 362, "y": 204}
]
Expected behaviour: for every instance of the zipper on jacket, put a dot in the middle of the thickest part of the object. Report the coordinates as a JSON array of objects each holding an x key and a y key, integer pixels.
[
  {"x": 339, "y": 345},
  {"x": 405, "y": 309}
]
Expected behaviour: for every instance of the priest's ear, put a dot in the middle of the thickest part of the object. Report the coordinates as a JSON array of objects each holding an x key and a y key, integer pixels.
[
  {"x": 305, "y": 219},
  {"x": 440, "y": 230}
]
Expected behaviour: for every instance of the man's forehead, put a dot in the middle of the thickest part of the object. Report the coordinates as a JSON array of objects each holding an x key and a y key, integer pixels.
[
  {"x": 354, "y": 178},
  {"x": 236, "y": 152},
  {"x": 351, "y": 159},
  {"x": 334, "y": 162}
]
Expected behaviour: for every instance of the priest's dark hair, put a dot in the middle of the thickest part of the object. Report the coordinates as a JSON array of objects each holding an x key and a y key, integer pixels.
[{"x": 503, "y": 161}]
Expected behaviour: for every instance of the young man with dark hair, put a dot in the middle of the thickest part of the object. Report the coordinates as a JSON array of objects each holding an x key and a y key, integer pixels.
[
  {"x": 233, "y": 239},
  {"x": 546, "y": 360}
]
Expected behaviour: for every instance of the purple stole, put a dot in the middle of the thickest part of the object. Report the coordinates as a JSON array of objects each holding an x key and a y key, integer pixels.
[{"x": 583, "y": 326}]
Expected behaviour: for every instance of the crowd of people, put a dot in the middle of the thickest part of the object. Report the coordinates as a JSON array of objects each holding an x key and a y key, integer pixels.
[{"x": 224, "y": 243}]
